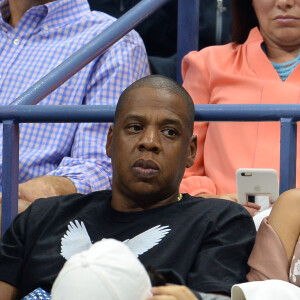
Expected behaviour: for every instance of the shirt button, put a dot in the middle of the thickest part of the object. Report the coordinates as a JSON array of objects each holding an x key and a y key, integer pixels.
[
  {"x": 46, "y": 28},
  {"x": 16, "y": 42}
]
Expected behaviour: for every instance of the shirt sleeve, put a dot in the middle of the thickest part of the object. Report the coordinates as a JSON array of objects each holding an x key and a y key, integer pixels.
[
  {"x": 196, "y": 82},
  {"x": 222, "y": 258},
  {"x": 88, "y": 166}
]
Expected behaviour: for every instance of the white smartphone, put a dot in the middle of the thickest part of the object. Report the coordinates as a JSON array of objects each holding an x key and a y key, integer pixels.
[{"x": 259, "y": 186}]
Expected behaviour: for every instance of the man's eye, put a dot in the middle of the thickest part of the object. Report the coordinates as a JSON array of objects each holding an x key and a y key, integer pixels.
[
  {"x": 134, "y": 127},
  {"x": 170, "y": 132}
]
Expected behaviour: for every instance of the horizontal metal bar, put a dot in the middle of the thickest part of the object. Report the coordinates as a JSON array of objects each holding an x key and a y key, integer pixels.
[
  {"x": 105, "y": 113},
  {"x": 247, "y": 112},
  {"x": 90, "y": 51},
  {"x": 58, "y": 113}
]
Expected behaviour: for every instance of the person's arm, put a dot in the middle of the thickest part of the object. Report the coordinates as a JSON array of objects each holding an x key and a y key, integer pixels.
[
  {"x": 45, "y": 186},
  {"x": 41, "y": 187},
  {"x": 196, "y": 82},
  {"x": 88, "y": 167},
  {"x": 285, "y": 220},
  {"x": 7, "y": 291}
]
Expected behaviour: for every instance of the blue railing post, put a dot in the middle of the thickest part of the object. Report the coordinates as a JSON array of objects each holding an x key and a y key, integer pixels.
[
  {"x": 10, "y": 173},
  {"x": 187, "y": 30},
  {"x": 288, "y": 154}
]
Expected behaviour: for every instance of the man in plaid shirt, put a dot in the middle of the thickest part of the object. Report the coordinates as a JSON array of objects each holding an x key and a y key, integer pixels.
[{"x": 36, "y": 36}]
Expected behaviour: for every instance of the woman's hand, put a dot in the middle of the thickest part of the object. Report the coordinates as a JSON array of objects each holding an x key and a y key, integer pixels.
[{"x": 252, "y": 208}]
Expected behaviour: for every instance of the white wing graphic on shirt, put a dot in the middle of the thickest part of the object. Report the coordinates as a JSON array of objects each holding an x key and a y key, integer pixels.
[
  {"x": 147, "y": 240},
  {"x": 77, "y": 239}
]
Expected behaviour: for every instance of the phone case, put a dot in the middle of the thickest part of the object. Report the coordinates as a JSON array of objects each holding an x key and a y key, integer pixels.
[{"x": 253, "y": 182}]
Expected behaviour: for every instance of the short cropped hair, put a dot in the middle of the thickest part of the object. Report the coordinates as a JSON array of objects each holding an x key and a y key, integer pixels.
[
  {"x": 161, "y": 83},
  {"x": 244, "y": 19}
]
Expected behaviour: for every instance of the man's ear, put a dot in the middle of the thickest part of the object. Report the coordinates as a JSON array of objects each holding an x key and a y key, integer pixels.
[
  {"x": 109, "y": 141},
  {"x": 192, "y": 151}
]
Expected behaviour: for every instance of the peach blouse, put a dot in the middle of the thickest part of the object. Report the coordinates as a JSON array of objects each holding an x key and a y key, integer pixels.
[{"x": 235, "y": 74}]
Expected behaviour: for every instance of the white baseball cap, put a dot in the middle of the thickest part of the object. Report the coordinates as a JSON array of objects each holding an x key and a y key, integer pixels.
[{"x": 107, "y": 271}]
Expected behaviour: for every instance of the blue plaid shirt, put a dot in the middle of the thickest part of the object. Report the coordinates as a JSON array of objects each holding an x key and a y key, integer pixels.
[{"x": 44, "y": 37}]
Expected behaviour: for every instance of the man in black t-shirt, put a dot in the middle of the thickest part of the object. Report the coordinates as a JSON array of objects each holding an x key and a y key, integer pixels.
[{"x": 151, "y": 143}]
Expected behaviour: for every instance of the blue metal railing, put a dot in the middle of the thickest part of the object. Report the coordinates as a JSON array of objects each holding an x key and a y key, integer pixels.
[{"x": 287, "y": 114}]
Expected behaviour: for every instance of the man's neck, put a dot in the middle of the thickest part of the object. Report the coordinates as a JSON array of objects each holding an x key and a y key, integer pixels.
[
  {"x": 19, "y": 7},
  {"x": 123, "y": 203}
]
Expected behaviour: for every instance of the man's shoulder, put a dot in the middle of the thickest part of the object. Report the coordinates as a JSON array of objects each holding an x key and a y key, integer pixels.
[
  {"x": 215, "y": 208},
  {"x": 98, "y": 17},
  {"x": 99, "y": 21},
  {"x": 70, "y": 202},
  {"x": 220, "y": 215}
]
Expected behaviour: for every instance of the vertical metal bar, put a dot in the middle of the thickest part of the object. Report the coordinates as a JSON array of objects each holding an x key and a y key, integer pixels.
[
  {"x": 187, "y": 30},
  {"x": 10, "y": 173},
  {"x": 288, "y": 154}
]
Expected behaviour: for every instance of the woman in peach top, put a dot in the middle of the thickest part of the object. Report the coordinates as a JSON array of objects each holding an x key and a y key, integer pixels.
[{"x": 259, "y": 66}]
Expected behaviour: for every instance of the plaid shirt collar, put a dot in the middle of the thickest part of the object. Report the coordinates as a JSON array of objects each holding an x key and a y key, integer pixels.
[{"x": 53, "y": 14}]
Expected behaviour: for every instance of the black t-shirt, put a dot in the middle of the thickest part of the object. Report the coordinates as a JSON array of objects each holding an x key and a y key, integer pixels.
[{"x": 207, "y": 241}]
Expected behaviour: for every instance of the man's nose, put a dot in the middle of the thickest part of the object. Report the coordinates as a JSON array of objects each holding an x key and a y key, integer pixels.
[{"x": 150, "y": 140}]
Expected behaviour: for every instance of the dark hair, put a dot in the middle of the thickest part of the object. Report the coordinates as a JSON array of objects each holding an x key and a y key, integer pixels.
[
  {"x": 244, "y": 19},
  {"x": 162, "y": 83},
  {"x": 156, "y": 278}
]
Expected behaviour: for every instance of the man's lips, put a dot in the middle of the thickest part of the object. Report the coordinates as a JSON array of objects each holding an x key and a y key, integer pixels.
[{"x": 145, "y": 168}]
